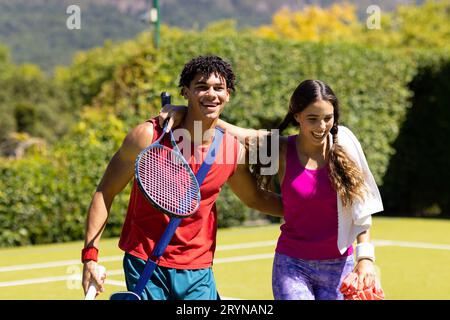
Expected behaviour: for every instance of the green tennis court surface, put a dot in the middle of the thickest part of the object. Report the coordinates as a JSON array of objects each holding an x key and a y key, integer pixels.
[{"x": 413, "y": 259}]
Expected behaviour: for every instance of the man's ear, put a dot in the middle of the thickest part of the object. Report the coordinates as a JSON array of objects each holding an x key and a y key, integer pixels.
[{"x": 184, "y": 93}]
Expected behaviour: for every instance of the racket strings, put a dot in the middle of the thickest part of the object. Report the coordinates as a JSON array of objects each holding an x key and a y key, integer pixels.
[{"x": 168, "y": 182}]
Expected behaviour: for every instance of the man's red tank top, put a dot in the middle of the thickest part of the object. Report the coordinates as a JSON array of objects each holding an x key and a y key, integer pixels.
[{"x": 194, "y": 241}]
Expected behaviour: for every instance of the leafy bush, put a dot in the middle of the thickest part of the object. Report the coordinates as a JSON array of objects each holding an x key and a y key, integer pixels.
[
  {"x": 30, "y": 102},
  {"x": 123, "y": 89},
  {"x": 45, "y": 199},
  {"x": 417, "y": 179}
]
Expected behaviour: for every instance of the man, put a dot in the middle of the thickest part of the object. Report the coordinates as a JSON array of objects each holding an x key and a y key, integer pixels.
[{"x": 185, "y": 269}]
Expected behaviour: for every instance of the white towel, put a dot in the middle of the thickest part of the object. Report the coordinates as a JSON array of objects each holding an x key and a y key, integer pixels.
[{"x": 357, "y": 218}]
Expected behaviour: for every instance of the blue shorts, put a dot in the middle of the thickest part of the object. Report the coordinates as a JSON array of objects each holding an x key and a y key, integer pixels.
[
  {"x": 297, "y": 279},
  {"x": 171, "y": 284}
]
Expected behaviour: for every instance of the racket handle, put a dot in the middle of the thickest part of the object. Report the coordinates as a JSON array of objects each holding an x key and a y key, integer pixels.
[
  {"x": 165, "y": 98},
  {"x": 92, "y": 290}
]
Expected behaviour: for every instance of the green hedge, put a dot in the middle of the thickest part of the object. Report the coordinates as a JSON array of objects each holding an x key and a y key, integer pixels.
[
  {"x": 372, "y": 85},
  {"x": 30, "y": 102},
  {"x": 123, "y": 90},
  {"x": 417, "y": 178},
  {"x": 44, "y": 198}
]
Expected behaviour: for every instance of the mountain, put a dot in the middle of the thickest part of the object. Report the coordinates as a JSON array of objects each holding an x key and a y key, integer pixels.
[
  {"x": 36, "y": 31},
  {"x": 197, "y": 13}
]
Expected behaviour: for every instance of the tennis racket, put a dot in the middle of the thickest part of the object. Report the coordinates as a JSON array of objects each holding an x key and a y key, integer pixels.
[
  {"x": 168, "y": 183},
  {"x": 92, "y": 290},
  {"x": 165, "y": 178}
]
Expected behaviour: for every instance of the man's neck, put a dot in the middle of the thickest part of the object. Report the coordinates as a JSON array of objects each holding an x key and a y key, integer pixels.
[{"x": 201, "y": 130}]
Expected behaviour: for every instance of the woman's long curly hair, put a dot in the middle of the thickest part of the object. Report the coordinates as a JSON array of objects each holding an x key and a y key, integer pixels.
[{"x": 345, "y": 176}]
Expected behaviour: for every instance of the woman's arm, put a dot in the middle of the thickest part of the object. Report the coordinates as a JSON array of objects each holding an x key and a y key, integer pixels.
[
  {"x": 175, "y": 114},
  {"x": 241, "y": 133},
  {"x": 244, "y": 186},
  {"x": 365, "y": 258}
]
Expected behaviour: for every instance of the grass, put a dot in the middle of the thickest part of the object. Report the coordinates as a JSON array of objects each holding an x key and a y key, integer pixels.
[{"x": 411, "y": 272}]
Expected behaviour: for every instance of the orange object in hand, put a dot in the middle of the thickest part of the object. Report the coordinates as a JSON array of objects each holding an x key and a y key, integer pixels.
[{"x": 349, "y": 289}]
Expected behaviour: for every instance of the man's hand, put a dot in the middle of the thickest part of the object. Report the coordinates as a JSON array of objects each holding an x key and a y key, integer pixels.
[
  {"x": 90, "y": 275},
  {"x": 175, "y": 114}
]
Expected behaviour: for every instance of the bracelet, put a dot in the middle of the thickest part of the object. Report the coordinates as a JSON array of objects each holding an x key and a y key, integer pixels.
[
  {"x": 89, "y": 253},
  {"x": 365, "y": 250}
]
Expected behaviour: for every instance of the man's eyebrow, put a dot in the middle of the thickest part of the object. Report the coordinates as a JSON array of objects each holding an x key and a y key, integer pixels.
[{"x": 221, "y": 83}]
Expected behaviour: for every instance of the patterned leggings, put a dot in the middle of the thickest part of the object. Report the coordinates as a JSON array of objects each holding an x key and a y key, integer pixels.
[{"x": 297, "y": 279}]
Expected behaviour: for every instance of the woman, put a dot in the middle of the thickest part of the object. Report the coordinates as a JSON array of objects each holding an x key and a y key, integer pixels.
[{"x": 328, "y": 196}]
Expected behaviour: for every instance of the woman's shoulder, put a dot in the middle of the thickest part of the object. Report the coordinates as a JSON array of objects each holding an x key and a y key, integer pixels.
[
  {"x": 286, "y": 140},
  {"x": 346, "y": 135},
  {"x": 283, "y": 144},
  {"x": 344, "y": 130},
  {"x": 351, "y": 144}
]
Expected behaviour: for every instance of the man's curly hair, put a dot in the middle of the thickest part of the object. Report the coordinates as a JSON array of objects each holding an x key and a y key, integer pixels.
[{"x": 207, "y": 65}]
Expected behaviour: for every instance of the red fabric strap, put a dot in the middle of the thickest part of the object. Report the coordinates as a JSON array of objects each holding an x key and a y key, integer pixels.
[{"x": 89, "y": 253}]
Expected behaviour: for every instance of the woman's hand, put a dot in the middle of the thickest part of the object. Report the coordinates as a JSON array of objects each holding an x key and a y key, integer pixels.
[
  {"x": 366, "y": 274},
  {"x": 175, "y": 114}
]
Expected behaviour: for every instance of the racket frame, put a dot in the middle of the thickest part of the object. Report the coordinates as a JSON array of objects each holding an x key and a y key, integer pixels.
[{"x": 176, "y": 152}]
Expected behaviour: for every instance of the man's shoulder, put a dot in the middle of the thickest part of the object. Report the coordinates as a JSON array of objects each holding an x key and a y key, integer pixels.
[
  {"x": 142, "y": 130},
  {"x": 139, "y": 137}
]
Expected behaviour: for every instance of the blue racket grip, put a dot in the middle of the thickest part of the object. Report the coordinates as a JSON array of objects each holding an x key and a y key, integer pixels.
[
  {"x": 166, "y": 237},
  {"x": 150, "y": 266}
]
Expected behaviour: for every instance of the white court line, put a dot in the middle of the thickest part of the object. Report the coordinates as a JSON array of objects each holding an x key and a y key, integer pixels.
[
  {"x": 380, "y": 243},
  {"x": 38, "y": 280},
  {"x": 70, "y": 277},
  {"x": 405, "y": 244},
  {"x": 123, "y": 285},
  {"x": 63, "y": 263},
  {"x": 247, "y": 245},
  {"x": 77, "y": 276},
  {"x": 244, "y": 258},
  {"x": 53, "y": 264},
  {"x": 115, "y": 283}
]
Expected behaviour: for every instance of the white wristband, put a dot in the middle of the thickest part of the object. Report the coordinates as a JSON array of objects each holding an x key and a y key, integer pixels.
[{"x": 365, "y": 250}]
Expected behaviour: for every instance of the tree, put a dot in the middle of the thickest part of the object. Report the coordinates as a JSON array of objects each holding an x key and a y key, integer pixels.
[{"x": 313, "y": 23}]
